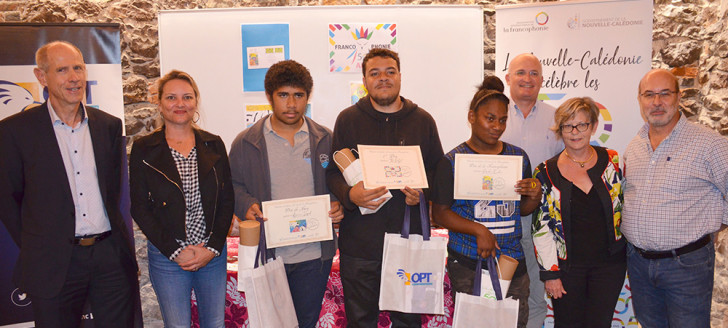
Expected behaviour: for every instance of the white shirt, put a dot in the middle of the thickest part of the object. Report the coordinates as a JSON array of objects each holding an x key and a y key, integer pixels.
[
  {"x": 533, "y": 133},
  {"x": 78, "y": 159}
]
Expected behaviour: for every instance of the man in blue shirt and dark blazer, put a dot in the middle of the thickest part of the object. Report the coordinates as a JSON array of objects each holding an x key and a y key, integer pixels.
[{"x": 60, "y": 178}]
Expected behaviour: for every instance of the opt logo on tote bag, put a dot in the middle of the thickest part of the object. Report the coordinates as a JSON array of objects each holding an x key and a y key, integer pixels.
[{"x": 413, "y": 269}]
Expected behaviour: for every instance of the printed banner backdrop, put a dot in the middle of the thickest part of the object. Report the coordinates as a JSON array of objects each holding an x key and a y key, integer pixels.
[
  {"x": 19, "y": 89},
  {"x": 599, "y": 49}
]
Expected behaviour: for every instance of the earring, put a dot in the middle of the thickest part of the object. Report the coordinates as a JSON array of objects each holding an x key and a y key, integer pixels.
[{"x": 198, "y": 117}]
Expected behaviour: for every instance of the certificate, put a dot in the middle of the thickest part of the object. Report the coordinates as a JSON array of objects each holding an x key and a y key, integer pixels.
[
  {"x": 490, "y": 177},
  {"x": 392, "y": 166},
  {"x": 297, "y": 220}
]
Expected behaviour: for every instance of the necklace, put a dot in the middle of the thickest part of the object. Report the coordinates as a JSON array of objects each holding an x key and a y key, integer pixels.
[{"x": 579, "y": 162}]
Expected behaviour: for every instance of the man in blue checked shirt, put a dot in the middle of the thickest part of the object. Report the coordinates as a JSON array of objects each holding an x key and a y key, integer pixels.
[{"x": 674, "y": 200}]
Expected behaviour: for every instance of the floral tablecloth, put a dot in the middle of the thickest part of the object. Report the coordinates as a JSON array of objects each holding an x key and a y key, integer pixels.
[{"x": 332, "y": 310}]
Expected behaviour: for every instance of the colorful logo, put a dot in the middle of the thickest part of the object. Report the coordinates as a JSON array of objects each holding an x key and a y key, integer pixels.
[
  {"x": 573, "y": 22},
  {"x": 361, "y": 33},
  {"x": 604, "y": 131},
  {"x": 349, "y": 43},
  {"x": 416, "y": 278},
  {"x": 542, "y": 18}
]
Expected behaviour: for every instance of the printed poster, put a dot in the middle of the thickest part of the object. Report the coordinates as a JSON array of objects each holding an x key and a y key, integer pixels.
[
  {"x": 357, "y": 91},
  {"x": 263, "y": 46},
  {"x": 349, "y": 43}
]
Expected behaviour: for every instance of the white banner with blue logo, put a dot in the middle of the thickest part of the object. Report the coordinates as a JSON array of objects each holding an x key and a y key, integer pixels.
[
  {"x": 19, "y": 90},
  {"x": 599, "y": 49}
]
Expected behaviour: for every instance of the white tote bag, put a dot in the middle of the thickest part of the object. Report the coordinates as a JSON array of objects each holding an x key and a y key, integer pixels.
[
  {"x": 413, "y": 269},
  {"x": 486, "y": 284},
  {"x": 267, "y": 294},
  {"x": 479, "y": 311}
]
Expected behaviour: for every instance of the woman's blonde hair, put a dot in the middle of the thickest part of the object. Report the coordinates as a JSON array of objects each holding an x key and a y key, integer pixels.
[
  {"x": 572, "y": 106},
  {"x": 177, "y": 75}
]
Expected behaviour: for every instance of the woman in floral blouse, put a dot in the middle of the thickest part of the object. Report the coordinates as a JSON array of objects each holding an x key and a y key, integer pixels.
[{"x": 579, "y": 246}]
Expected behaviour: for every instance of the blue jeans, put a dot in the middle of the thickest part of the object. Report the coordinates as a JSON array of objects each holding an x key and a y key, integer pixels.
[
  {"x": 672, "y": 292},
  {"x": 174, "y": 286},
  {"x": 307, "y": 282}
]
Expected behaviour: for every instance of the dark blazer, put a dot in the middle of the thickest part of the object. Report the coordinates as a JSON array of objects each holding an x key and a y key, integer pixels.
[
  {"x": 157, "y": 199},
  {"x": 36, "y": 204}
]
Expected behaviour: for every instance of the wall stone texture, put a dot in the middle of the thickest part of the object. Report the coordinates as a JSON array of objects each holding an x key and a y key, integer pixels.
[{"x": 689, "y": 37}]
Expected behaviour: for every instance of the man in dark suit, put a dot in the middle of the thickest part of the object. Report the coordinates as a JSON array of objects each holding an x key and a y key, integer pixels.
[{"x": 60, "y": 175}]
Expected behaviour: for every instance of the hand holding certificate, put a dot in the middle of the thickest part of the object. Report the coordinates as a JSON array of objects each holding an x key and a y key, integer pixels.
[
  {"x": 351, "y": 169},
  {"x": 394, "y": 167},
  {"x": 487, "y": 177},
  {"x": 297, "y": 220}
]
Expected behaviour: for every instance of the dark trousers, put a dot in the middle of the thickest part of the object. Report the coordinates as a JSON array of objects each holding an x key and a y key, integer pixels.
[
  {"x": 591, "y": 295},
  {"x": 360, "y": 279},
  {"x": 307, "y": 281},
  {"x": 100, "y": 275}
]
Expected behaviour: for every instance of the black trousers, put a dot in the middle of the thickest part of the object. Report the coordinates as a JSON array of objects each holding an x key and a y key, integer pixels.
[
  {"x": 360, "y": 279},
  {"x": 100, "y": 275},
  {"x": 591, "y": 295}
]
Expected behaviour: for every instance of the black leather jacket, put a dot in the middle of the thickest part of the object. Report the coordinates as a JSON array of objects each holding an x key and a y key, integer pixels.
[{"x": 157, "y": 199}]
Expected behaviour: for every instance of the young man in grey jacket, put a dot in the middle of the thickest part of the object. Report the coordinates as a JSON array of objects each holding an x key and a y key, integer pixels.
[{"x": 285, "y": 155}]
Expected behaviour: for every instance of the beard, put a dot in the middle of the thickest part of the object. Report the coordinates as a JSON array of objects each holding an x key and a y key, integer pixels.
[{"x": 384, "y": 101}]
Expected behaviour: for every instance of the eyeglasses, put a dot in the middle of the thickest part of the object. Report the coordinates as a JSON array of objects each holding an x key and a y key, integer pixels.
[
  {"x": 522, "y": 73},
  {"x": 581, "y": 127},
  {"x": 649, "y": 95}
]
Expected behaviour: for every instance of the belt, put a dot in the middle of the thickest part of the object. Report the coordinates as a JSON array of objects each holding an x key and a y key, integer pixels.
[
  {"x": 90, "y": 240},
  {"x": 654, "y": 255}
]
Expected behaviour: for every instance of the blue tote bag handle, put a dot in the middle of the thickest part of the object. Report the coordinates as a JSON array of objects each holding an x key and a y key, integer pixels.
[
  {"x": 424, "y": 220},
  {"x": 490, "y": 262},
  {"x": 261, "y": 255}
]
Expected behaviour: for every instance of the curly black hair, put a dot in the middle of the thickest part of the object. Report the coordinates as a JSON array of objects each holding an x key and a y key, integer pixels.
[{"x": 288, "y": 73}]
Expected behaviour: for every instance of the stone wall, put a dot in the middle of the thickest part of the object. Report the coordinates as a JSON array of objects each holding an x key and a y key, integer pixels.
[{"x": 689, "y": 37}]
